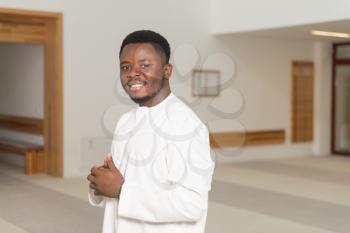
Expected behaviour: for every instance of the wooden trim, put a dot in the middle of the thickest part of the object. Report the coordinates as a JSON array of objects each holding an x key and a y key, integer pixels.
[
  {"x": 336, "y": 62},
  {"x": 249, "y": 138},
  {"x": 341, "y": 44},
  {"x": 22, "y": 124},
  {"x": 53, "y": 104},
  {"x": 54, "y": 97},
  {"x": 342, "y": 61},
  {"x": 21, "y": 29},
  {"x": 333, "y": 109}
]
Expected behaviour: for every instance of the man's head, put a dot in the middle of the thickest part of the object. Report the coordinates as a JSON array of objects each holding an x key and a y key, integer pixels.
[{"x": 144, "y": 67}]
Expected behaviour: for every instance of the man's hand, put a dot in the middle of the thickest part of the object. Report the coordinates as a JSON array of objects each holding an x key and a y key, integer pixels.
[{"x": 106, "y": 180}]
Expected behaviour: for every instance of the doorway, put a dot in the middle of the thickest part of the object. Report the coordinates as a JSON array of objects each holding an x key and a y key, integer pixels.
[
  {"x": 341, "y": 99},
  {"x": 23, "y": 26}
]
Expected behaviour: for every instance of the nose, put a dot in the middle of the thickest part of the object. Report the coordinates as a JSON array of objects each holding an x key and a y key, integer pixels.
[{"x": 134, "y": 72}]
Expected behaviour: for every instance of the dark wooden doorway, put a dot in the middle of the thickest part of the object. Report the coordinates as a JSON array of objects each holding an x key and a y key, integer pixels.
[{"x": 341, "y": 99}]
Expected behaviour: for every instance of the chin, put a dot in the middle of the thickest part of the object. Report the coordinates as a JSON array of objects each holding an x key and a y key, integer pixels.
[
  {"x": 140, "y": 100},
  {"x": 137, "y": 96}
]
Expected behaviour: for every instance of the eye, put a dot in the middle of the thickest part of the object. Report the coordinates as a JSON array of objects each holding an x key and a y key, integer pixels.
[
  {"x": 124, "y": 68},
  {"x": 144, "y": 66}
]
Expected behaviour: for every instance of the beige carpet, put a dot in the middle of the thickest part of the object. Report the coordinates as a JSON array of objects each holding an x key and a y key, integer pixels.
[
  {"x": 37, "y": 209},
  {"x": 295, "y": 195}
]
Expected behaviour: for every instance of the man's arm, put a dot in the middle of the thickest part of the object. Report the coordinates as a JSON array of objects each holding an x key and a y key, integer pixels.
[
  {"x": 178, "y": 205},
  {"x": 186, "y": 200}
]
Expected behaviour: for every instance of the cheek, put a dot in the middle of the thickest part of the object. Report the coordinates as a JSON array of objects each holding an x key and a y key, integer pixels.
[
  {"x": 156, "y": 83},
  {"x": 123, "y": 79},
  {"x": 155, "y": 78}
]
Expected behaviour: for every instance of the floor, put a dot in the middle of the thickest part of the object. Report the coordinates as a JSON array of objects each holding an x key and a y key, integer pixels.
[{"x": 293, "y": 195}]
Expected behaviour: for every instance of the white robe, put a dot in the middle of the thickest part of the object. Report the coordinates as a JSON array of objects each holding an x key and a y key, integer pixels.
[{"x": 163, "y": 153}]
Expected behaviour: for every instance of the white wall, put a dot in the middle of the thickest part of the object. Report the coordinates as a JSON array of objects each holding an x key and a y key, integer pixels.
[
  {"x": 323, "y": 98},
  {"x": 235, "y": 15},
  {"x": 52, "y": 5},
  {"x": 92, "y": 36}
]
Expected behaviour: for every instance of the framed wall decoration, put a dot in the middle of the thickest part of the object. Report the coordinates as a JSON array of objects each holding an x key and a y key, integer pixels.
[{"x": 205, "y": 83}]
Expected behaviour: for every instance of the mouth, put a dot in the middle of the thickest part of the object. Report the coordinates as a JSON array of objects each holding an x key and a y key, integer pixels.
[{"x": 135, "y": 85}]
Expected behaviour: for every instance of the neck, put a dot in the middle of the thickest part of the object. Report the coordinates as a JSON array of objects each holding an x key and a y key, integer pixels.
[{"x": 159, "y": 97}]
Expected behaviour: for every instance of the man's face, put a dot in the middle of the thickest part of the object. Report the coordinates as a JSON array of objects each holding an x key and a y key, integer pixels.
[{"x": 141, "y": 71}]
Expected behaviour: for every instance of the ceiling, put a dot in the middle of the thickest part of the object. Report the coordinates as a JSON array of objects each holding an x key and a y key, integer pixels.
[{"x": 303, "y": 32}]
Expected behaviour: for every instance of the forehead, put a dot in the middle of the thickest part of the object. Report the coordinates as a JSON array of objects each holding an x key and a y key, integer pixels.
[{"x": 139, "y": 50}]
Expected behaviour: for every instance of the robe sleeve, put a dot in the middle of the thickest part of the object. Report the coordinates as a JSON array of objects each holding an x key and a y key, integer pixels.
[
  {"x": 187, "y": 199},
  {"x": 97, "y": 200}
]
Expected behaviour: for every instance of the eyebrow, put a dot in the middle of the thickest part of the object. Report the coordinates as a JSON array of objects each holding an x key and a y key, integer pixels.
[
  {"x": 124, "y": 62},
  {"x": 141, "y": 60}
]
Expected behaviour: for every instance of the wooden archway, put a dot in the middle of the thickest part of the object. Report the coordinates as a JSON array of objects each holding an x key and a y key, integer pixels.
[{"x": 22, "y": 26}]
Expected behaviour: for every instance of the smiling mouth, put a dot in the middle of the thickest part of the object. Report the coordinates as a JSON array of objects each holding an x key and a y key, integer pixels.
[{"x": 135, "y": 86}]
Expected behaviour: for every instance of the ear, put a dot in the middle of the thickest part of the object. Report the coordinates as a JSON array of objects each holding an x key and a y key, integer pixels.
[{"x": 168, "y": 70}]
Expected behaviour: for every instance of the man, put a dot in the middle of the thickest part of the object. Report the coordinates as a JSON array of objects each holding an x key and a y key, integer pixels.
[{"x": 158, "y": 175}]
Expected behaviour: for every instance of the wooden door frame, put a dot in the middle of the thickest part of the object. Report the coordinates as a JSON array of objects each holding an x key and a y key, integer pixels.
[
  {"x": 336, "y": 62},
  {"x": 27, "y": 26}
]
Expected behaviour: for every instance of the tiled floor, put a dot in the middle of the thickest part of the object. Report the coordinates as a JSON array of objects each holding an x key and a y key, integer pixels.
[{"x": 294, "y": 195}]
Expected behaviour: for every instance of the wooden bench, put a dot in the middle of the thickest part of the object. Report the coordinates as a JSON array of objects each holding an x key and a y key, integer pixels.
[{"x": 34, "y": 153}]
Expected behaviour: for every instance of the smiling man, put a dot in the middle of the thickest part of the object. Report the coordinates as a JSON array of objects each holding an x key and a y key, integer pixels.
[{"x": 158, "y": 175}]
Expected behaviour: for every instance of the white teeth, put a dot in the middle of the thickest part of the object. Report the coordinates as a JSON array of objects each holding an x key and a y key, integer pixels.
[{"x": 136, "y": 85}]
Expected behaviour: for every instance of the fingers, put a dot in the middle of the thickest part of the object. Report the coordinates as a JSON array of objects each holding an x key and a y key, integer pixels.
[
  {"x": 93, "y": 168},
  {"x": 91, "y": 178},
  {"x": 95, "y": 171},
  {"x": 110, "y": 163}
]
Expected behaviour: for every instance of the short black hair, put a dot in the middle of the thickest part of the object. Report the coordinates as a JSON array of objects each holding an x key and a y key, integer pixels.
[{"x": 159, "y": 43}]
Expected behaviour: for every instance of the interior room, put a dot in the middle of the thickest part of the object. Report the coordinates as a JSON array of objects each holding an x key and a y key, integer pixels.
[{"x": 269, "y": 80}]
